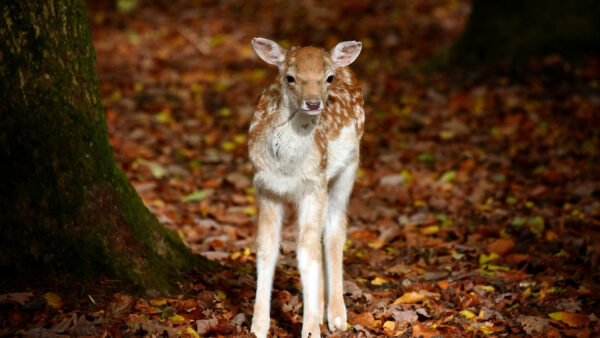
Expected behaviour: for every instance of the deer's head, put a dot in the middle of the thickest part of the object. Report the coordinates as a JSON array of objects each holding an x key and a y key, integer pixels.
[{"x": 307, "y": 73}]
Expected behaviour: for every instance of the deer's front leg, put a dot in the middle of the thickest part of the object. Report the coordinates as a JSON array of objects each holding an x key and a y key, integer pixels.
[
  {"x": 334, "y": 237},
  {"x": 267, "y": 249},
  {"x": 311, "y": 211}
]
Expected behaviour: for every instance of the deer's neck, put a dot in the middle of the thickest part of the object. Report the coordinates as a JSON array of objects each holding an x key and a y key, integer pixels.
[
  {"x": 292, "y": 136},
  {"x": 302, "y": 124}
]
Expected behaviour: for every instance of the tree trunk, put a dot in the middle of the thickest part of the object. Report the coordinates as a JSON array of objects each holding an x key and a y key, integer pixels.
[
  {"x": 66, "y": 208},
  {"x": 511, "y": 31}
]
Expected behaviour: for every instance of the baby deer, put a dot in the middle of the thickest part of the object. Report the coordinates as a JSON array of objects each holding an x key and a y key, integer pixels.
[{"x": 304, "y": 145}]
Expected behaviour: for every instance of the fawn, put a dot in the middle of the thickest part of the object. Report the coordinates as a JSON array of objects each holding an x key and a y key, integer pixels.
[{"x": 304, "y": 145}]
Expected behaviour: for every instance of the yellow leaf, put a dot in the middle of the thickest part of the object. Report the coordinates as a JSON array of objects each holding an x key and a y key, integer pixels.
[
  {"x": 158, "y": 302},
  {"x": 229, "y": 146},
  {"x": 379, "y": 281},
  {"x": 483, "y": 259},
  {"x": 389, "y": 326},
  {"x": 486, "y": 288},
  {"x": 239, "y": 138},
  {"x": 53, "y": 300},
  {"x": 467, "y": 314},
  {"x": 419, "y": 203},
  {"x": 250, "y": 211},
  {"x": 410, "y": 298},
  {"x": 247, "y": 252},
  {"x": 165, "y": 116},
  {"x": 177, "y": 318},
  {"x": 192, "y": 332},
  {"x": 235, "y": 255},
  {"x": 571, "y": 319},
  {"x": 430, "y": 230},
  {"x": 489, "y": 330},
  {"x": 446, "y": 135}
]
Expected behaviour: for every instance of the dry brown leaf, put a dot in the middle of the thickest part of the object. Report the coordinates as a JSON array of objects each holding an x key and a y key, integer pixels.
[
  {"x": 533, "y": 325},
  {"x": 365, "y": 319},
  {"x": 403, "y": 317},
  {"x": 203, "y": 326},
  {"x": 16, "y": 297}
]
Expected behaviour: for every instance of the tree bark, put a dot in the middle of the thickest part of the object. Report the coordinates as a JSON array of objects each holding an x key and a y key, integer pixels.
[
  {"x": 511, "y": 31},
  {"x": 65, "y": 205}
]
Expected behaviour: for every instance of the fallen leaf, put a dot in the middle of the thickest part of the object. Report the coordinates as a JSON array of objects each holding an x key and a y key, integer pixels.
[
  {"x": 192, "y": 332},
  {"x": 484, "y": 288},
  {"x": 500, "y": 246},
  {"x": 388, "y": 327},
  {"x": 376, "y": 244},
  {"x": 239, "y": 181},
  {"x": 203, "y": 326},
  {"x": 533, "y": 325},
  {"x": 420, "y": 330},
  {"x": 158, "y": 302},
  {"x": 157, "y": 170},
  {"x": 16, "y": 297},
  {"x": 490, "y": 329},
  {"x": 410, "y": 298},
  {"x": 119, "y": 307},
  {"x": 353, "y": 290},
  {"x": 430, "y": 230},
  {"x": 484, "y": 259},
  {"x": 53, "y": 300},
  {"x": 448, "y": 176},
  {"x": 195, "y": 196},
  {"x": 403, "y": 317},
  {"x": 571, "y": 319},
  {"x": 176, "y": 318},
  {"x": 364, "y": 319},
  {"x": 467, "y": 314},
  {"x": 379, "y": 281}
]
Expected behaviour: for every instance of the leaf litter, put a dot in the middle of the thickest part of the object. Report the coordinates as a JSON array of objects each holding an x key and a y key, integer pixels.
[{"x": 476, "y": 209}]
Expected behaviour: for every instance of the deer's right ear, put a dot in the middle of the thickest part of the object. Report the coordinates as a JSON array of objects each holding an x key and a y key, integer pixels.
[{"x": 269, "y": 51}]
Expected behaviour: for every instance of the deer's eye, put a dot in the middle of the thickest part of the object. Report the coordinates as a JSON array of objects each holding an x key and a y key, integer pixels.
[
  {"x": 330, "y": 79},
  {"x": 290, "y": 79}
]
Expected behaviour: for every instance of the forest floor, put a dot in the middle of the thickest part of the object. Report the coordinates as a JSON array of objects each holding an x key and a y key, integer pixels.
[{"x": 477, "y": 205}]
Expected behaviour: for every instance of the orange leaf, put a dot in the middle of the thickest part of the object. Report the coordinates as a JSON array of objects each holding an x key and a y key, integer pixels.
[
  {"x": 365, "y": 319},
  {"x": 443, "y": 284},
  {"x": 501, "y": 246},
  {"x": 410, "y": 298},
  {"x": 421, "y": 330},
  {"x": 571, "y": 319}
]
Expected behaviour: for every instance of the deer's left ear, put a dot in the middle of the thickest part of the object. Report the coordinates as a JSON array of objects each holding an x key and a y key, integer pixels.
[{"x": 344, "y": 53}]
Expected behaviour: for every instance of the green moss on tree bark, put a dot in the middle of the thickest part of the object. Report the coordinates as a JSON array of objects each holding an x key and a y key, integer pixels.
[{"x": 66, "y": 207}]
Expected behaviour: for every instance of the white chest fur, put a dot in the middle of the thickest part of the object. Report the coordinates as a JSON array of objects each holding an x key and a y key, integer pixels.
[{"x": 290, "y": 160}]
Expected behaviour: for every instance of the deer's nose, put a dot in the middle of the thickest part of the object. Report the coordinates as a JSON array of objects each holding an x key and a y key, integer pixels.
[{"x": 313, "y": 105}]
